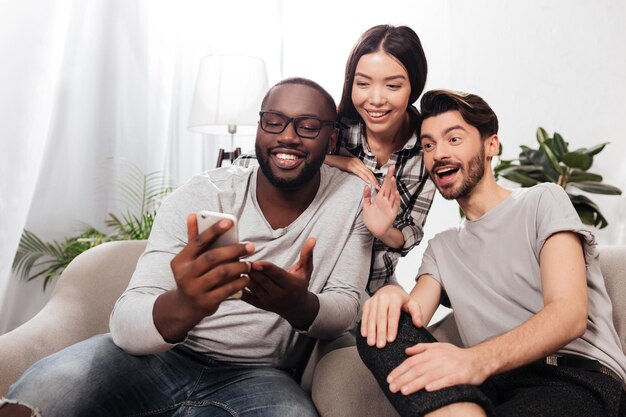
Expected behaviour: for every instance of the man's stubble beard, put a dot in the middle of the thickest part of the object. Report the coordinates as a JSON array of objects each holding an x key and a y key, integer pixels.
[
  {"x": 307, "y": 173},
  {"x": 475, "y": 171}
]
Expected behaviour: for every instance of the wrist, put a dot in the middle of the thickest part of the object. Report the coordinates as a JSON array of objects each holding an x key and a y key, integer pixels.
[
  {"x": 174, "y": 317},
  {"x": 392, "y": 237},
  {"x": 304, "y": 312},
  {"x": 485, "y": 360}
]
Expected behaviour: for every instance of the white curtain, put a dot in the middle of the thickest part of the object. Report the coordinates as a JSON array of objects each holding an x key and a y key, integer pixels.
[{"x": 87, "y": 80}]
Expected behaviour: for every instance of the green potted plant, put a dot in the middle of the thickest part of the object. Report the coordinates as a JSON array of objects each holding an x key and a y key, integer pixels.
[
  {"x": 553, "y": 161},
  {"x": 141, "y": 194}
]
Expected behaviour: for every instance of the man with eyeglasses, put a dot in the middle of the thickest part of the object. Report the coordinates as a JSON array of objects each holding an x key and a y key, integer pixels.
[{"x": 180, "y": 343}]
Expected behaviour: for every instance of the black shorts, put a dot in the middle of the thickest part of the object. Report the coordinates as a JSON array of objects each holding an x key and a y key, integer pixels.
[{"x": 535, "y": 390}]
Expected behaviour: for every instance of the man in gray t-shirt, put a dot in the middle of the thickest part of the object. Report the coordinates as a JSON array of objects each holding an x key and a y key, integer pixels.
[
  {"x": 180, "y": 342},
  {"x": 522, "y": 275}
]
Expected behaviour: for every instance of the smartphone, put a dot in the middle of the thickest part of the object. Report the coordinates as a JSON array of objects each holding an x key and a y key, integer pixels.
[{"x": 207, "y": 219}]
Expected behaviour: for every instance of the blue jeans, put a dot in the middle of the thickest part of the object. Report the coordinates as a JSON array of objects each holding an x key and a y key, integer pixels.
[{"x": 96, "y": 378}]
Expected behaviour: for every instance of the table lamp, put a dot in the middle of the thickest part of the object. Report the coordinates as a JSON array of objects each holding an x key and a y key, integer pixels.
[{"x": 227, "y": 98}]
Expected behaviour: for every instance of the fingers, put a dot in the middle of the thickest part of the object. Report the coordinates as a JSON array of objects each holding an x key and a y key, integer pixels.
[
  {"x": 419, "y": 348},
  {"x": 371, "y": 179},
  {"x": 392, "y": 324},
  {"x": 263, "y": 270},
  {"x": 358, "y": 168},
  {"x": 409, "y": 376},
  {"x": 251, "y": 296},
  {"x": 368, "y": 323},
  {"x": 303, "y": 269},
  {"x": 306, "y": 254},
  {"x": 414, "y": 309},
  {"x": 422, "y": 371},
  {"x": 389, "y": 183},
  {"x": 367, "y": 197},
  {"x": 199, "y": 242},
  {"x": 381, "y": 315},
  {"x": 395, "y": 202},
  {"x": 219, "y": 276},
  {"x": 212, "y": 258},
  {"x": 263, "y": 284},
  {"x": 231, "y": 288},
  {"x": 376, "y": 327},
  {"x": 381, "y": 326},
  {"x": 192, "y": 227},
  {"x": 368, "y": 177}
]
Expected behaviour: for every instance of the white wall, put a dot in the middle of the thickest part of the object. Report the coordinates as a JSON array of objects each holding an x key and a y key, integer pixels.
[
  {"x": 551, "y": 64},
  {"x": 556, "y": 64}
]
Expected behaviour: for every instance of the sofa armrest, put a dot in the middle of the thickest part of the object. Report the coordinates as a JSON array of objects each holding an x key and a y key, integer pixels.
[
  {"x": 79, "y": 308},
  {"x": 344, "y": 387}
]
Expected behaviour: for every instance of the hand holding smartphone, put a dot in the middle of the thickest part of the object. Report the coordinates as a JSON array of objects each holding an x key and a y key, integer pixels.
[{"x": 206, "y": 219}]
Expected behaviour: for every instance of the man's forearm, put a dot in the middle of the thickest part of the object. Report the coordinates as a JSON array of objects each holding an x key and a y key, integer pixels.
[{"x": 549, "y": 330}]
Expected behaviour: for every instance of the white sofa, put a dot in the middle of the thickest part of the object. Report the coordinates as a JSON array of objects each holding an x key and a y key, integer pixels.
[{"x": 339, "y": 383}]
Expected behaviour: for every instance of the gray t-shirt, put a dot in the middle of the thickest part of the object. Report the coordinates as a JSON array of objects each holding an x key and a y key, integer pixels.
[
  {"x": 489, "y": 268},
  {"x": 239, "y": 332}
]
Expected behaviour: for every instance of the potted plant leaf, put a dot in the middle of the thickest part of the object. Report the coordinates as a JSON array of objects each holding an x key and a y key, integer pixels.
[
  {"x": 553, "y": 161},
  {"x": 141, "y": 194}
]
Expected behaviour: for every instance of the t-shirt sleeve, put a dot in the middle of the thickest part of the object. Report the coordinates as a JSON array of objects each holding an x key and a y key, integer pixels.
[
  {"x": 429, "y": 264},
  {"x": 556, "y": 213}
]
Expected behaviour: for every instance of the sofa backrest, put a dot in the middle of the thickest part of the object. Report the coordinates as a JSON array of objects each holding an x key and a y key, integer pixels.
[{"x": 613, "y": 265}]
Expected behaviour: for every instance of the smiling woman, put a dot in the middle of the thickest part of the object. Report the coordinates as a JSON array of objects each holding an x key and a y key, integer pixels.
[{"x": 385, "y": 74}]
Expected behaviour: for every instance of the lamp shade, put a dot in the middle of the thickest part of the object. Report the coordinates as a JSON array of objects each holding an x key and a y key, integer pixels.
[{"x": 229, "y": 90}]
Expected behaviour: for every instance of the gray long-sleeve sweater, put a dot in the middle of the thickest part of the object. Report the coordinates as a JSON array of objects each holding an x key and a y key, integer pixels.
[{"x": 239, "y": 332}]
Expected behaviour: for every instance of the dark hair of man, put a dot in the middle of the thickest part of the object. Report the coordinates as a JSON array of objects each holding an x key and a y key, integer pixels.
[
  {"x": 329, "y": 101},
  {"x": 474, "y": 110},
  {"x": 402, "y": 43}
]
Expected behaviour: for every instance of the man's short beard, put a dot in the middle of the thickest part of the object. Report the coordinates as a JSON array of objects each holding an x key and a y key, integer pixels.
[
  {"x": 475, "y": 172},
  {"x": 308, "y": 172}
]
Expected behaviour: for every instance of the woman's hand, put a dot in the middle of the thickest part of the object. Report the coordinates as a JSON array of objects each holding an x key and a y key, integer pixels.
[
  {"x": 380, "y": 212},
  {"x": 381, "y": 314},
  {"x": 354, "y": 166}
]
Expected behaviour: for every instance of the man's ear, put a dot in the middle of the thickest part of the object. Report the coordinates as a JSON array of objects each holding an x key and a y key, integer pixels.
[
  {"x": 492, "y": 146},
  {"x": 332, "y": 141}
]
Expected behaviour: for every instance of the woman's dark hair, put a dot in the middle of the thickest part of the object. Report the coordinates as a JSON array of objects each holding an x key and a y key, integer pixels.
[
  {"x": 402, "y": 43},
  {"x": 474, "y": 110}
]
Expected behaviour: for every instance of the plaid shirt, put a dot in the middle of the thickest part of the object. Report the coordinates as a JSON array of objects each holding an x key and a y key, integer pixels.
[{"x": 416, "y": 196}]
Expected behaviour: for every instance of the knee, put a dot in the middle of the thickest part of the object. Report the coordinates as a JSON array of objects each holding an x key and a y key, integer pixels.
[
  {"x": 459, "y": 409},
  {"x": 15, "y": 410},
  {"x": 68, "y": 365},
  {"x": 394, "y": 352}
]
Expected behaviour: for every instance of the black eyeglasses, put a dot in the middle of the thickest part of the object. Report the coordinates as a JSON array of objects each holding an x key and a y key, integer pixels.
[{"x": 306, "y": 126}]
